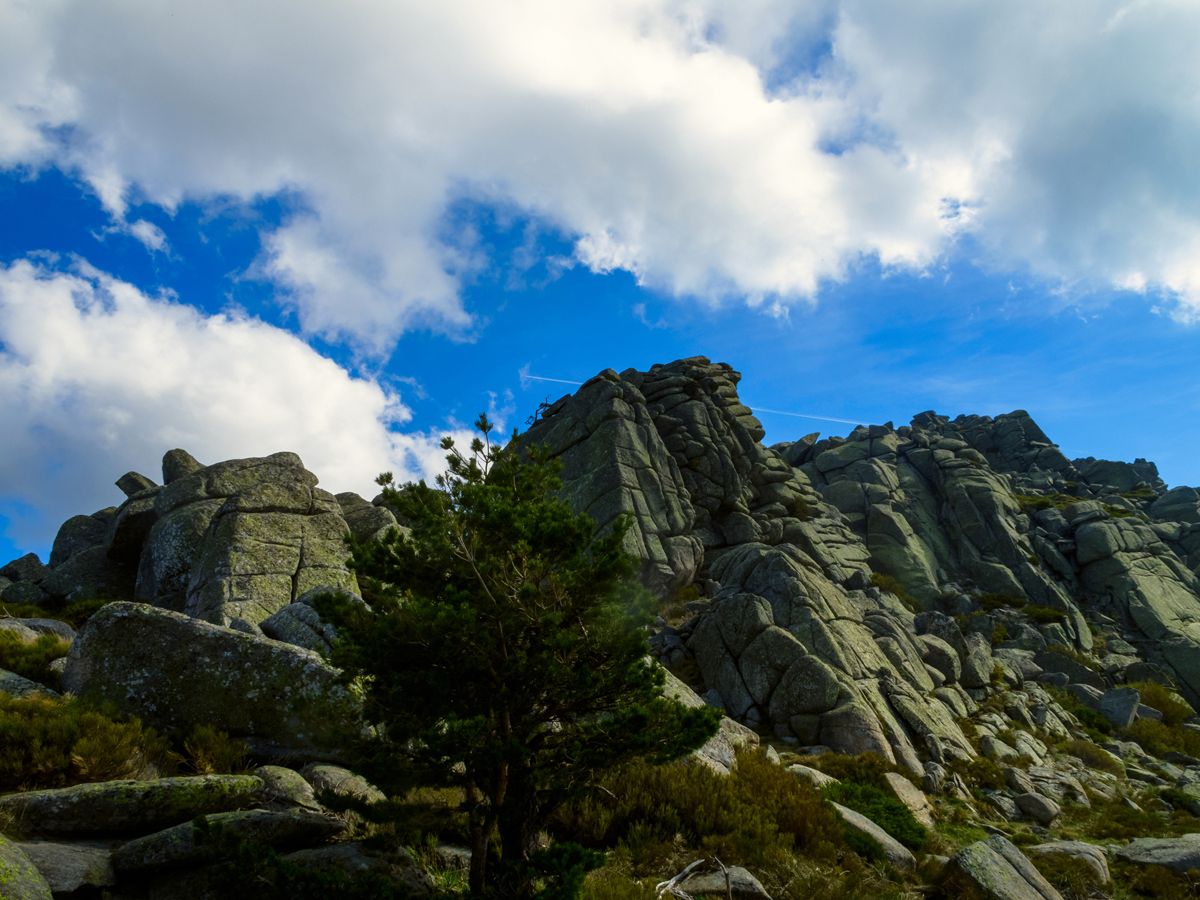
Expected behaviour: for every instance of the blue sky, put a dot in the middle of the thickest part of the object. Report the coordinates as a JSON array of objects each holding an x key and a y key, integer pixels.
[{"x": 209, "y": 240}]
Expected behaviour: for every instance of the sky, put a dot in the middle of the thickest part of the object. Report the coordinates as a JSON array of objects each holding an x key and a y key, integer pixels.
[{"x": 245, "y": 226}]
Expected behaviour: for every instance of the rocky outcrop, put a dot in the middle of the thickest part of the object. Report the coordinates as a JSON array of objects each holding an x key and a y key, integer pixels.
[
  {"x": 806, "y": 561},
  {"x": 177, "y": 672},
  {"x": 237, "y": 541},
  {"x": 171, "y": 837}
]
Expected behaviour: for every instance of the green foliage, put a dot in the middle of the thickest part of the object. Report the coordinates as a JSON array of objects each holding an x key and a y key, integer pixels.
[
  {"x": 1044, "y": 615},
  {"x": 210, "y": 751},
  {"x": 1092, "y": 756},
  {"x": 999, "y": 633},
  {"x": 893, "y": 586},
  {"x": 760, "y": 816},
  {"x": 882, "y": 807},
  {"x": 47, "y": 742},
  {"x": 1074, "y": 878},
  {"x": 1155, "y": 881},
  {"x": 1159, "y": 738},
  {"x": 993, "y": 601},
  {"x": 505, "y": 653},
  {"x": 980, "y": 773},
  {"x": 1072, "y": 654},
  {"x": 248, "y": 869},
  {"x": 1097, "y": 727},
  {"x": 865, "y": 768},
  {"x": 674, "y": 607},
  {"x": 1114, "y": 820},
  {"x": 32, "y": 661},
  {"x": 74, "y": 614},
  {"x": 1142, "y": 493},
  {"x": 1174, "y": 708},
  {"x": 1033, "y": 502}
]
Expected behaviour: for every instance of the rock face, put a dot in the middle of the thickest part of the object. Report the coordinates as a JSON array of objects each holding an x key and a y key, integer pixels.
[
  {"x": 178, "y": 672},
  {"x": 240, "y": 540},
  {"x": 231, "y": 543},
  {"x": 805, "y": 562}
]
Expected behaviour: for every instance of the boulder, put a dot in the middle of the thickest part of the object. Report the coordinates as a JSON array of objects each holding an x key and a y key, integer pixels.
[
  {"x": 366, "y": 520},
  {"x": 994, "y": 870},
  {"x": 68, "y": 868},
  {"x": 75, "y": 535},
  {"x": 132, "y": 483},
  {"x": 200, "y": 841},
  {"x": 893, "y": 851},
  {"x": 25, "y": 568},
  {"x": 241, "y": 539},
  {"x": 285, "y": 788},
  {"x": 399, "y": 868},
  {"x": 178, "y": 672},
  {"x": 300, "y": 624},
  {"x": 19, "y": 878},
  {"x": 340, "y": 784},
  {"x": 1041, "y": 809},
  {"x": 18, "y": 686},
  {"x": 1179, "y": 854},
  {"x": 912, "y": 797},
  {"x": 735, "y": 882},
  {"x": 178, "y": 464},
  {"x": 89, "y": 574},
  {"x": 127, "y": 807},
  {"x": 1120, "y": 706},
  {"x": 815, "y": 777}
]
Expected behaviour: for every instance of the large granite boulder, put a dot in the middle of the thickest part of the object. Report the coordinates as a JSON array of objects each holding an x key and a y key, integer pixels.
[
  {"x": 237, "y": 541},
  {"x": 994, "y": 870},
  {"x": 19, "y": 878},
  {"x": 127, "y": 807},
  {"x": 178, "y": 672}
]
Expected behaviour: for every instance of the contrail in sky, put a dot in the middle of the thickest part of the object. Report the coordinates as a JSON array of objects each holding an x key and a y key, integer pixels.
[
  {"x": 796, "y": 415},
  {"x": 526, "y": 377}
]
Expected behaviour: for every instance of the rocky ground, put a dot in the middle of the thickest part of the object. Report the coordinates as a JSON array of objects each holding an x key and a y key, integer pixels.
[{"x": 1010, "y": 637}]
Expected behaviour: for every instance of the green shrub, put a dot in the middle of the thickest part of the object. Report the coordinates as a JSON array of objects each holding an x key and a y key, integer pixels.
[
  {"x": 1097, "y": 727},
  {"x": 1044, "y": 615},
  {"x": 1114, "y": 820},
  {"x": 882, "y": 807},
  {"x": 980, "y": 773},
  {"x": 32, "y": 661},
  {"x": 1033, "y": 502},
  {"x": 74, "y": 614},
  {"x": 209, "y": 751},
  {"x": 1174, "y": 708},
  {"x": 993, "y": 601},
  {"x": 46, "y": 742},
  {"x": 1093, "y": 757},
  {"x": 758, "y": 816},
  {"x": 1159, "y": 738},
  {"x": 865, "y": 768}
]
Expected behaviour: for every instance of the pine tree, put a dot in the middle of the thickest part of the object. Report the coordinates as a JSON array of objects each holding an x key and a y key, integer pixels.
[{"x": 505, "y": 650}]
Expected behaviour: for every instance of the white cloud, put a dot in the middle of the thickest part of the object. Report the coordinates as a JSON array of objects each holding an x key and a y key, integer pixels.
[
  {"x": 686, "y": 141},
  {"x": 149, "y": 234},
  {"x": 97, "y": 378}
]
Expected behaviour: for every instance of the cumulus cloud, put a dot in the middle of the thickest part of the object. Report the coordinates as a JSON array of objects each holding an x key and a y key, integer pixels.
[
  {"x": 97, "y": 378},
  {"x": 711, "y": 148}
]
